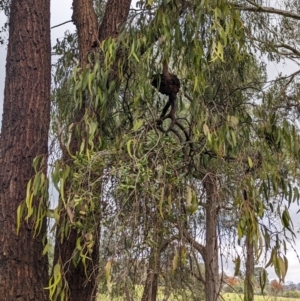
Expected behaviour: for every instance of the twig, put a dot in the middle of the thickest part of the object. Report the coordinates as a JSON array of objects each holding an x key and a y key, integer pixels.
[{"x": 61, "y": 24}]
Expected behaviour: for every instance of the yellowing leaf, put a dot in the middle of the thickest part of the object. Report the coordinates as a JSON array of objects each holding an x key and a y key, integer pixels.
[
  {"x": 137, "y": 124},
  {"x": 46, "y": 249},
  {"x": 194, "y": 203},
  {"x": 183, "y": 255},
  {"x": 19, "y": 216},
  {"x": 189, "y": 196},
  {"x": 282, "y": 267},
  {"x": 250, "y": 162},
  {"x": 108, "y": 276},
  {"x": 129, "y": 148},
  {"x": 233, "y": 121},
  {"x": 175, "y": 262},
  {"x": 206, "y": 129},
  {"x": 108, "y": 270}
]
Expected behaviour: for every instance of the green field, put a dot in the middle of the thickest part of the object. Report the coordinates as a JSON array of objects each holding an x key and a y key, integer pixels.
[
  {"x": 237, "y": 297},
  {"x": 226, "y": 297}
]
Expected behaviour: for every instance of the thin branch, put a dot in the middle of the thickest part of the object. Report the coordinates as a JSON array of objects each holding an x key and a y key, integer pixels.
[
  {"x": 266, "y": 9},
  {"x": 294, "y": 50},
  {"x": 198, "y": 267},
  {"x": 291, "y": 76},
  {"x": 61, "y": 24}
]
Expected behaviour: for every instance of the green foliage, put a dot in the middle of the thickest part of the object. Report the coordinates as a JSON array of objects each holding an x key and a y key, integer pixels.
[
  {"x": 35, "y": 206},
  {"x": 142, "y": 185}
]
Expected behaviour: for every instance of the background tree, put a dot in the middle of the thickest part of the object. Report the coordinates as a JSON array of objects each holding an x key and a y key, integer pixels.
[{"x": 276, "y": 287}]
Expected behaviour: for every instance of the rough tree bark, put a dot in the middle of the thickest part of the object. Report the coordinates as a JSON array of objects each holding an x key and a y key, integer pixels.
[
  {"x": 85, "y": 20},
  {"x": 24, "y": 135},
  {"x": 212, "y": 280},
  {"x": 116, "y": 14},
  {"x": 89, "y": 37}
]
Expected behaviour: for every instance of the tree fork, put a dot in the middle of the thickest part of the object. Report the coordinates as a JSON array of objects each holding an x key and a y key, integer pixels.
[{"x": 89, "y": 36}]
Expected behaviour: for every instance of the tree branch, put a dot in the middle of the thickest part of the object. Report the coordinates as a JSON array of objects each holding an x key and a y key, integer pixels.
[
  {"x": 294, "y": 50},
  {"x": 266, "y": 9},
  {"x": 61, "y": 24},
  {"x": 199, "y": 247}
]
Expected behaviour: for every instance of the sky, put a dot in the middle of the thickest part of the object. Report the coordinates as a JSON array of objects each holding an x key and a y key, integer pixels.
[{"x": 61, "y": 12}]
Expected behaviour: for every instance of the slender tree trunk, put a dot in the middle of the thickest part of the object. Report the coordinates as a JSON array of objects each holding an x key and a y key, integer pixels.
[
  {"x": 249, "y": 285},
  {"x": 151, "y": 284},
  {"x": 84, "y": 17},
  {"x": 24, "y": 135},
  {"x": 209, "y": 252},
  {"x": 212, "y": 280}
]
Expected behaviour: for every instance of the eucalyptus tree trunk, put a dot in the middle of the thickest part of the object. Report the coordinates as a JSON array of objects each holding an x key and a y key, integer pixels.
[
  {"x": 209, "y": 251},
  {"x": 151, "y": 283},
  {"x": 212, "y": 278},
  {"x": 249, "y": 285},
  {"x": 89, "y": 36},
  {"x": 24, "y": 135},
  {"x": 79, "y": 287}
]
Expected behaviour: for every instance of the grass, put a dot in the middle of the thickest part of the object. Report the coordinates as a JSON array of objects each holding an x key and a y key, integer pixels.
[
  {"x": 239, "y": 297},
  {"x": 226, "y": 297}
]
